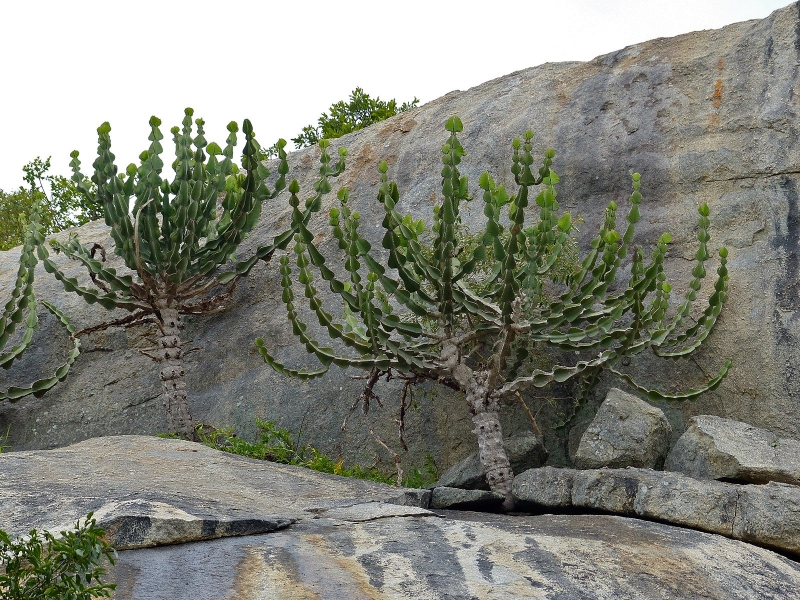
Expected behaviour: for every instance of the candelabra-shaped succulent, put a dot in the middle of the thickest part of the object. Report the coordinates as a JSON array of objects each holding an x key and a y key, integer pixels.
[
  {"x": 176, "y": 237},
  {"x": 428, "y": 316},
  {"x": 22, "y": 301}
]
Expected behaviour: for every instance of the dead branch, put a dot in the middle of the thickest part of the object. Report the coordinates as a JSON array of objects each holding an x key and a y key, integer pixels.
[
  {"x": 210, "y": 305},
  {"x": 131, "y": 320},
  {"x": 395, "y": 455},
  {"x": 531, "y": 418}
]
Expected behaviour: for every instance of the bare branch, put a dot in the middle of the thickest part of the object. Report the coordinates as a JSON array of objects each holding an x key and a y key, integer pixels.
[
  {"x": 395, "y": 455},
  {"x": 129, "y": 321},
  {"x": 531, "y": 418}
]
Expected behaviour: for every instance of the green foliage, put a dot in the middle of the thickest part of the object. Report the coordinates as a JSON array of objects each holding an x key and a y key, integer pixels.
[
  {"x": 174, "y": 235},
  {"x": 476, "y": 337},
  {"x": 179, "y": 238},
  {"x": 63, "y": 207},
  {"x": 42, "y": 565},
  {"x": 345, "y": 117},
  {"x": 276, "y": 445},
  {"x": 21, "y": 309}
]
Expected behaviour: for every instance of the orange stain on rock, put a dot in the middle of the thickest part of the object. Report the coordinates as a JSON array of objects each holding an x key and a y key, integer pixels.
[{"x": 717, "y": 97}]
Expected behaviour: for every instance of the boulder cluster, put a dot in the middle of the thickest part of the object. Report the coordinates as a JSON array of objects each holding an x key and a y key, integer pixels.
[{"x": 721, "y": 476}]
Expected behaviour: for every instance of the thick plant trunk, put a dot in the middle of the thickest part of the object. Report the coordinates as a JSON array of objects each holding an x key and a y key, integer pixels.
[
  {"x": 485, "y": 409},
  {"x": 486, "y": 416},
  {"x": 170, "y": 353}
]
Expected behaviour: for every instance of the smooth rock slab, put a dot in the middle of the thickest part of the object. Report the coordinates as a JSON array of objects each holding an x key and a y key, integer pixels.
[
  {"x": 142, "y": 523},
  {"x": 768, "y": 515},
  {"x": 525, "y": 451},
  {"x": 625, "y": 432},
  {"x": 718, "y": 448},
  {"x": 459, "y": 557},
  {"x": 458, "y": 499},
  {"x": 545, "y": 487},
  {"x": 150, "y": 491}
]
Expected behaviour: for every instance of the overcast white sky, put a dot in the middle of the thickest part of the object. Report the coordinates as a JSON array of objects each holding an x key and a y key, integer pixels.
[{"x": 67, "y": 66}]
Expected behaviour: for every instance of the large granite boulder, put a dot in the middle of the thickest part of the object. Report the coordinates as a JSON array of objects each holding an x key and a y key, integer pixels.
[
  {"x": 262, "y": 530},
  {"x": 525, "y": 451},
  {"x": 717, "y": 448},
  {"x": 626, "y": 432},
  {"x": 463, "y": 556},
  {"x": 704, "y": 117},
  {"x": 150, "y": 491}
]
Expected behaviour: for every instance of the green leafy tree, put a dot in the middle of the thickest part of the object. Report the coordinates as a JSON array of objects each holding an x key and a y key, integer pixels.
[
  {"x": 42, "y": 565},
  {"x": 345, "y": 117},
  {"x": 178, "y": 238},
  {"x": 430, "y": 322},
  {"x": 21, "y": 308},
  {"x": 61, "y": 204}
]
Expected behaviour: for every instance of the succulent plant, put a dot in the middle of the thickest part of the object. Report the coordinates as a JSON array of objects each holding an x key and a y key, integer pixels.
[
  {"x": 21, "y": 308},
  {"x": 178, "y": 238},
  {"x": 440, "y": 326}
]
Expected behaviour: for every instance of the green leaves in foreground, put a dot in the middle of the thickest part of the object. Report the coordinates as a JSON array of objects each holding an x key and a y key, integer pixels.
[{"x": 41, "y": 565}]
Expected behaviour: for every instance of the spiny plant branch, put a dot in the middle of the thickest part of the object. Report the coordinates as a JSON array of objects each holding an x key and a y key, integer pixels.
[
  {"x": 482, "y": 336},
  {"x": 172, "y": 237}
]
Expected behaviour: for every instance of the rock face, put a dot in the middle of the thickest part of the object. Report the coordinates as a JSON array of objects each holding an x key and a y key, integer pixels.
[
  {"x": 149, "y": 491},
  {"x": 764, "y": 514},
  {"x": 626, "y": 432},
  {"x": 525, "y": 451},
  {"x": 704, "y": 117},
  {"x": 288, "y": 533},
  {"x": 463, "y": 556},
  {"x": 717, "y": 448}
]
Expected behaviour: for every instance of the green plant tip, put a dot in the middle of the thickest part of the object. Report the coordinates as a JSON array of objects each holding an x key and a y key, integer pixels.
[
  {"x": 131, "y": 170},
  {"x": 703, "y": 210},
  {"x": 155, "y": 121},
  {"x": 104, "y": 129},
  {"x": 383, "y": 167},
  {"x": 549, "y": 153},
  {"x": 636, "y": 177},
  {"x": 233, "y": 127},
  {"x": 454, "y": 125},
  {"x": 188, "y": 111},
  {"x": 723, "y": 252}
]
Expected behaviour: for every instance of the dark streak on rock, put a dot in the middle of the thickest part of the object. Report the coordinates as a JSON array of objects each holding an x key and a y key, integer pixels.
[{"x": 787, "y": 286}]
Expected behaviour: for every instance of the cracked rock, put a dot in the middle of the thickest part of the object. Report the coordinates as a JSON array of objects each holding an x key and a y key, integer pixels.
[
  {"x": 717, "y": 448},
  {"x": 626, "y": 432}
]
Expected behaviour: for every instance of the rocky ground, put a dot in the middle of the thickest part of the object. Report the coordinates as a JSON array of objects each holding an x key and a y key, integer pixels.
[{"x": 199, "y": 524}]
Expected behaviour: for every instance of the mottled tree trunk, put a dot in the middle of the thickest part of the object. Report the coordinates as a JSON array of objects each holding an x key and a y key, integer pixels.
[
  {"x": 173, "y": 375},
  {"x": 486, "y": 416},
  {"x": 485, "y": 409}
]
